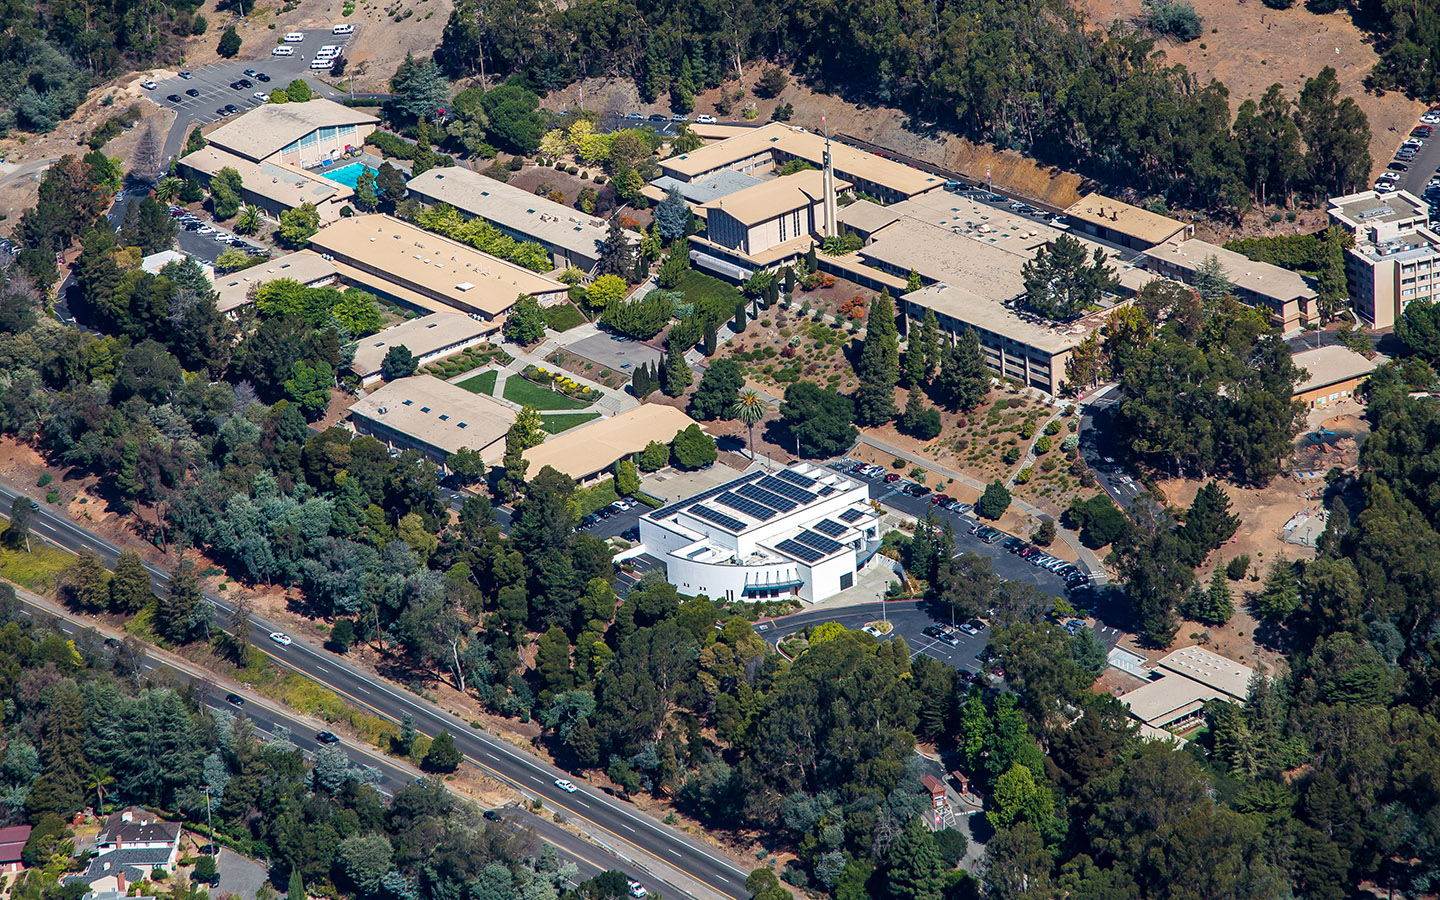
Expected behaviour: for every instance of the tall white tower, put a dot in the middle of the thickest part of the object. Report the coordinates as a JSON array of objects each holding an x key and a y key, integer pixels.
[{"x": 828, "y": 181}]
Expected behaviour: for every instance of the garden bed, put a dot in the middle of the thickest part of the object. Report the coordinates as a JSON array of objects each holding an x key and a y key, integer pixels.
[
  {"x": 614, "y": 379},
  {"x": 544, "y": 389},
  {"x": 467, "y": 359}
]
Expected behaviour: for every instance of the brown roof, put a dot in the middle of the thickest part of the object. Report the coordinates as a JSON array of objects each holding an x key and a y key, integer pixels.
[
  {"x": 587, "y": 449},
  {"x": 776, "y": 197},
  {"x": 1097, "y": 209},
  {"x": 12, "y": 841}
]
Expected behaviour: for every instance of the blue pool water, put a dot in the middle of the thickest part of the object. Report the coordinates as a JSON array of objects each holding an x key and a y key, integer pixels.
[{"x": 346, "y": 175}]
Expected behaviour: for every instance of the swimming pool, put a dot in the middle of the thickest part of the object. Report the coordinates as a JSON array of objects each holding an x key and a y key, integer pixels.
[{"x": 346, "y": 175}]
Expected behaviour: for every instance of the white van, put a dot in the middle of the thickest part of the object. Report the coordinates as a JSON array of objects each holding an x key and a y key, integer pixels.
[
  {"x": 328, "y": 51},
  {"x": 321, "y": 63},
  {"x": 294, "y": 37},
  {"x": 283, "y": 51},
  {"x": 343, "y": 29}
]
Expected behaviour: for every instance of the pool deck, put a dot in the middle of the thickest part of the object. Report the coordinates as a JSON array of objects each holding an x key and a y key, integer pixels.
[{"x": 366, "y": 158}]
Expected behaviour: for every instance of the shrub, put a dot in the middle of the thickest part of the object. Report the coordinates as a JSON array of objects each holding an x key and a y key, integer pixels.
[
  {"x": 1174, "y": 18},
  {"x": 1237, "y": 567}
]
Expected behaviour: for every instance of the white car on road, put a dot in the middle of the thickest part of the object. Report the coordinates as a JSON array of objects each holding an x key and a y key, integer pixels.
[
  {"x": 281, "y": 638},
  {"x": 565, "y": 785}
]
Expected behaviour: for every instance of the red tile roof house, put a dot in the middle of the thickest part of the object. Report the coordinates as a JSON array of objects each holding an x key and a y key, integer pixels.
[{"x": 12, "y": 842}]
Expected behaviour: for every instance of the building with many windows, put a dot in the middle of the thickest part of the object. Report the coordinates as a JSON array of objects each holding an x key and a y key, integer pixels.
[
  {"x": 1288, "y": 297},
  {"x": 1396, "y": 256},
  {"x": 437, "y": 418},
  {"x": 800, "y": 532}
]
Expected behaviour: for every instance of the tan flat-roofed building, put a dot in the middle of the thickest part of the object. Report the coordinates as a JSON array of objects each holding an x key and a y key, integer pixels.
[
  {"x": 1170, "y": 701},
  {"x": 939, "y": 254},
  {"x": 426, "y": 414},
  {"x": 428, "y": 338},
  {"x": 769, "y": 214},
  {"x": 301, "y": 134},
  {"x": 1211, "y": 669},
  {"x": 381, "y": 252},
  {"x": 1016, "y": 344},
  {"x": 307, "y": 267},
  {"x": 273, "y": 186},
  {"x": 1289, "y": 298},
  {"x": 760, "y": 150},
  {"x": 1123, "y": 224},
  {"x": 570, "y": 236},
  {"x": 1332, "y": 374},
  {"x": 587, "y": 452}
]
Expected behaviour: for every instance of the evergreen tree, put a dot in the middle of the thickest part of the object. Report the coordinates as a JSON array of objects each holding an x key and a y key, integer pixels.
[
  {"x": 915, "y": 869},
  {"x": 914, "y": 373},
  {"x": 1280, "y": 597},
  {"x": 367, "y": 196},
  {"x": 130, "y": 588},
  {"x": 399, "y": 362},
  {"x": 296, "y": 890},
  {"x": 964, "y": 381},
  {"x": 1215, "y": 605},
  {"x": 17, "y": 533},
  {"x": 738, "y": 326},
  {"x": 913, "y": 282},
  {"x": 617, "y": 254},
  {"x": 677, "y": 262},
  {"x": 1209, "y": 523},
  {"x": 994, "y": 501},
  {"x": 442, "y": 757},
  {"x": 85, "y": 584},
  {"x": 718, "y": 390},
  {"x": 1331, "y": 289},
  {"x": 879, "y": 368},
  {"x": 920, "y": 420},
  {"x": 677, "y": 375},
  {"x": 929, "y": 342},
  {"x": 176, "y": 615},
  {"x": 711, "y": 339},
  {"x": 1211, "y": 281},
  {"x": 627, "y": 479},
  {"x": 512, "y": 476},
  {"x": 672, "y": 216}
]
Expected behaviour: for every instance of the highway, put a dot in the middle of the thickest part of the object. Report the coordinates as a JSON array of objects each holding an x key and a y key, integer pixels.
[
  {"x": 390, "y": 775},
  {"x": 684, "y": 863}
]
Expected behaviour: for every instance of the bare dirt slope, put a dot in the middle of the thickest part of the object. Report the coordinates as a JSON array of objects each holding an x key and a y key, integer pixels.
[{"x": 1249, "y": 47}]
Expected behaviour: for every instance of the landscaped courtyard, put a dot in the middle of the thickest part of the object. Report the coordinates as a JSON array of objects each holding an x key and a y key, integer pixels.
[{"x": 558, "y": 412}]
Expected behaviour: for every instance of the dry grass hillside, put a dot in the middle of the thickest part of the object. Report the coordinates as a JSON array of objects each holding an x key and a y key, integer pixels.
[{"x": 1249, "y": 47}]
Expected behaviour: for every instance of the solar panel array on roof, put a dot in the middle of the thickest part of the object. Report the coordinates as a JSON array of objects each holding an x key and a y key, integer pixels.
[
  {"x": 829, "y": 527},
  {"x": 795, "y": 478},
  {"x": 786, "y": 489},
  {"x": 799, "y": 551},
  {"x": 827, "y": 490},
  {"x": 699, "y": 498},
  {"x": 820, "y": 542},
  {"x": 769, "y": 498},
  {"x": 851, "y": 515},
  {"x": 748, "y": 507},
  {"x": 729, "y": 523}
]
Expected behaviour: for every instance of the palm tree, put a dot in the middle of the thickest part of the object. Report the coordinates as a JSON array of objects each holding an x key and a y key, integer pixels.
[
  {"x": 100, "y": 778},
  {"x": 749, "y": 408},
  {"x": 249, "y": 220},
  {"x": 168, "y": 189}
]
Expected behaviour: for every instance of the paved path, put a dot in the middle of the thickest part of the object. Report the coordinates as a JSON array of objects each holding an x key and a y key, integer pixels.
[
  {"x": 611, "y": 401},
  {"x": 1030, "y": 456},
  {"x": 1092, "y": 562}
]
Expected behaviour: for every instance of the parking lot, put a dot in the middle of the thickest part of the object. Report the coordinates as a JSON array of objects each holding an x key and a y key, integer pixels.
[
  {"x": 613, "y": 352},
  {"x": 211, "y": 84},
  {"x": 1422, "y": 165}
]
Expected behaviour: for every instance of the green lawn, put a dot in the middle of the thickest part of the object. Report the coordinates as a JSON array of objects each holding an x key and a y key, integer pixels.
[
  {"x": 526, "y": 393},
  {"x": 484, "y": 383},
  {"x": 554, "y": 423},
  {"x": 709, "y": 292},
  {"x": 563, "y": 316}
]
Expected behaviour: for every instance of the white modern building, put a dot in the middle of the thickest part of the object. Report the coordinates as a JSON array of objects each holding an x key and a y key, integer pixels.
[{"x": 799, "y": 532}]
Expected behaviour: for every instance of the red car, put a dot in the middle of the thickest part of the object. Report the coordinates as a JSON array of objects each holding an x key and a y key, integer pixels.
[{"x": 891, "y": 478}]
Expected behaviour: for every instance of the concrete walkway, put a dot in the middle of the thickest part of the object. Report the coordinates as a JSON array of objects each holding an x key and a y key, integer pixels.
[
  {"x": 610, "y": 403},
  {"x": 1087, "y": 556}
]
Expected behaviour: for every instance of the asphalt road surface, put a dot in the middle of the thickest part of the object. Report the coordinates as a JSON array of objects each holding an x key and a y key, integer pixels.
[
  {"x": 1422, "y": 166},
  {"x": 653, "y": 846},
  {"x": 909, "y": 620},
  {"x": 212, "y": 83},
  {"x": 389, "y": 775},
  {"x": 1100, "y": 452}
]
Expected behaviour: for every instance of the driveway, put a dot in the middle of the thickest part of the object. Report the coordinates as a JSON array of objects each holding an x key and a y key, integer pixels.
[
  {"x": 212, "y": 84},
  {"x": 1101, "y": 452},
  {"x": 239, "y": 875}
]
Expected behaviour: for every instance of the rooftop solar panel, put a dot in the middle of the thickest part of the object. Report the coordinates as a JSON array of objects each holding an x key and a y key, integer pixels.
[
  {"x": 828, "y": 527},
  {"x": 799, "y": 551},
  {"x": 748, "y": 507},
  {"x": 786, "y": 489},
  {"x": 769, "y": 498},
  {"x": 729, "y": 523},
  {"x": 820, "y": 542},
  {"x": 795, "y": 478},
  {"x": 851, "y": 515}
]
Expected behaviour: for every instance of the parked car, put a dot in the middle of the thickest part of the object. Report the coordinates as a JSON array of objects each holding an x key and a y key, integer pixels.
[
  {"x": 262, "y": 77},
  {"x": 634, "y": 115},
  {"x": 186, "y": 74},
  {"x": 175, "y": 98},
  {"x": 343, "y": 29},
  {"x": 891, "y": 478},
  {"x": 192, "y": 93},
  {"x": 250, "y": 72},
  {"x": 705, "y": 120},
  {"x": 658, "y": 117},
  {"x": 933, "y": 631},
  {"x": 283, "y": 51},
  {"x": 149, "y": 85},
  {"x": 679, "y": 117},
  {"x": 968, "y": 628}
]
